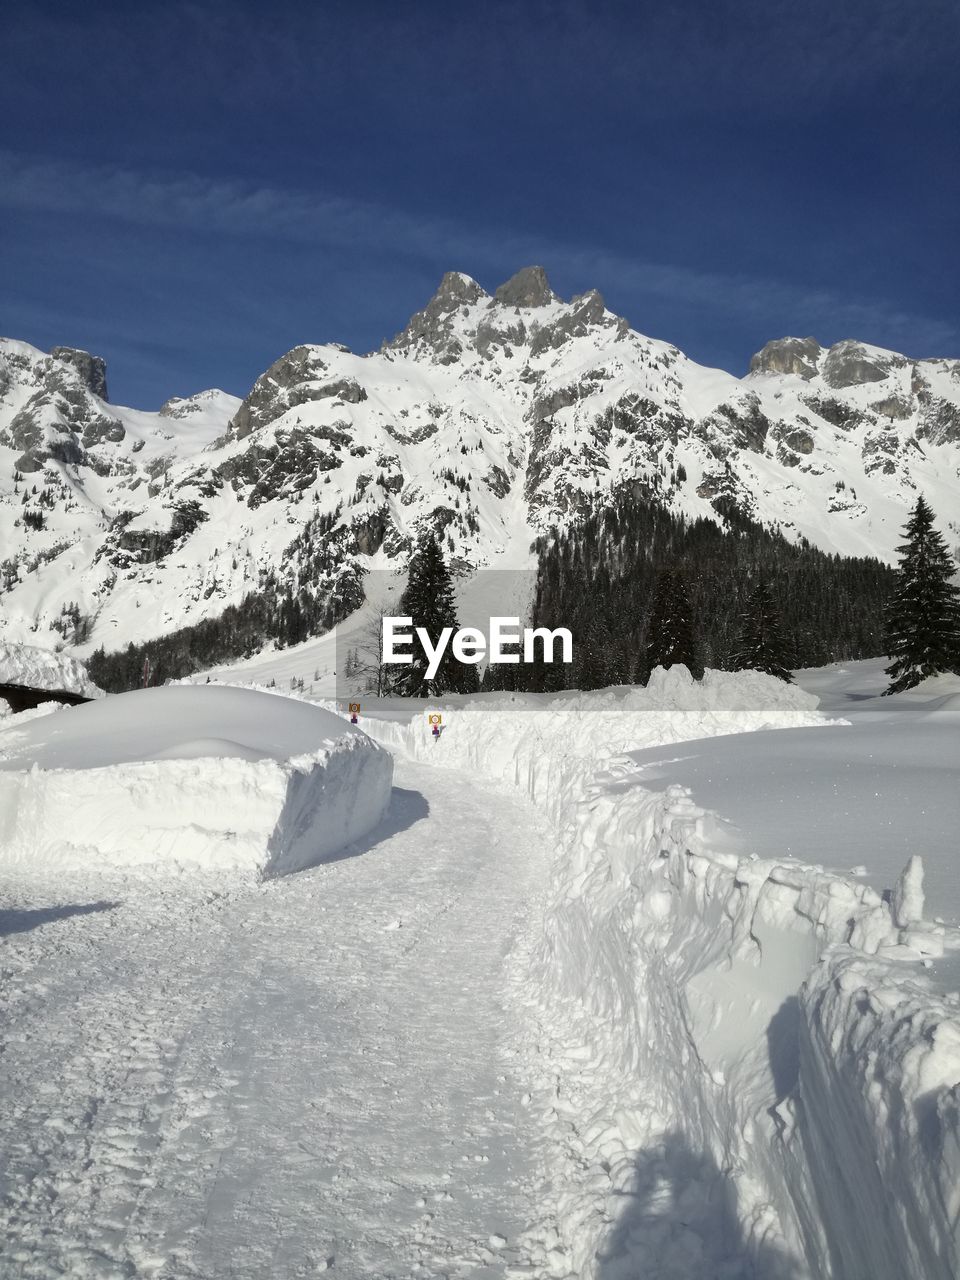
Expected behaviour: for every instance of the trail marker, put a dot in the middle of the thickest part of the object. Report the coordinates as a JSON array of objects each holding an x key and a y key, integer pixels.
[
  {"x": 436, "y": 720},
  {"x": 354, "y": 712}
]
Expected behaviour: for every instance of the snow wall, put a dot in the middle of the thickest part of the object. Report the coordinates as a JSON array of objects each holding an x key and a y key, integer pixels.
[
  {"x": 200, "y": 776},
  {"x": 44, "y": 669},
  {"x": 769, "y": 1016}
]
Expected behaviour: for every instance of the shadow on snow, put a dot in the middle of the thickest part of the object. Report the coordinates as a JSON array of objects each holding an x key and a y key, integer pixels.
[
  {"x": 22, "y": 920},
  {"x": 405, "y": 810},
  {"x": 679, "y": 1218}
]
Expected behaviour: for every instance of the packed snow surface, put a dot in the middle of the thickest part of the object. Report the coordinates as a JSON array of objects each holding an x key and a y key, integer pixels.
[
  {"x": 25, "y": 664},
  {"x": 214, "y": 1078},
  {"x": 191, "y": 774},
  {"x": 673, "y": 1050}
]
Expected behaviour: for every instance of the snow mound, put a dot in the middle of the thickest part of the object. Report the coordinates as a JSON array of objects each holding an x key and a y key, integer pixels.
[
  {"x": 197, "y": 775},
  {"x": 43, "y": 669}
]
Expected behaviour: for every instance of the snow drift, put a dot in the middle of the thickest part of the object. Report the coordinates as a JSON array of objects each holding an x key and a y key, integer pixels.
[
  {"x": 201, "y": 775},
  {"x": 752, "y": 1023}
]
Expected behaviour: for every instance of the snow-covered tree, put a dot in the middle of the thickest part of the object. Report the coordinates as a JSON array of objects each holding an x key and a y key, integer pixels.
[
  {"x": 923, "y": 616},
  {"x": 761, "y": 646},
  {"x": 672, "y": 636},
  {"x": 428, "y": 600}
]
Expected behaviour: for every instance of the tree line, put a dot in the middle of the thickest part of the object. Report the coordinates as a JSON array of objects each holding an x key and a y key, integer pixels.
[{"x": 639, "y": 587}]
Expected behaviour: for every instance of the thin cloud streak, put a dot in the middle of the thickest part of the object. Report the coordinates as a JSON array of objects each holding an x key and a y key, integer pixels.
[{"x": 189, "y": 202}]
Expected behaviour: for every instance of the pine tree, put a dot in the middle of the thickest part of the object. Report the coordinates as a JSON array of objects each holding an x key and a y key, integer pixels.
[
  {"x": 428, "y": 600},
  {"x": 761, "y": 646},
  {"x": 672, "y": 636},
  {"x": 922, "y": 624}
]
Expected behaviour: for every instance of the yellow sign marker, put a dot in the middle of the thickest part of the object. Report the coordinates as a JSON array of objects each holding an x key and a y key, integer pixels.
[{"x": 435, "y": 719}]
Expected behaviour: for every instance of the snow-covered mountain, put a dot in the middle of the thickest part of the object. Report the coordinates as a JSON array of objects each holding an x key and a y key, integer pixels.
[{"x": 493, "y": 417}]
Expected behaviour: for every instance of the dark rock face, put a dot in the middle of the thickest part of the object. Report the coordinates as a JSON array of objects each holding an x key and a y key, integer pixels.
[
  {"x": 788, "y": 355},
  {"x": 287, "y": 466},
  {"x": 92, "y": 369},
  {"x": 849, "y": 365},
  {"x": 491, "y": 334},
  {"x": 750, "y": 424},
  {"x": 880, "y": 451},
  {"x": 456, "y": 290},
  {"x": 528, "y": 288},
  {"x": 370, "y": 530},
  {"x": 100, "y": 430},
  {"x": 431, "y": 327},
  {"x": 587, "y": 311},
  {"x": 799, "y": 440},
  {"x": 893, "y": 407},
  {"x": 939, "y": 419},
  {"x": 836, "y": 412},
  {"x": 272, "y": 392}
]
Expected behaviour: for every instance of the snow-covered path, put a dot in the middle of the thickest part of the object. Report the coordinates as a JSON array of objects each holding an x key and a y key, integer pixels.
[{"x": 241, "y": 1080}]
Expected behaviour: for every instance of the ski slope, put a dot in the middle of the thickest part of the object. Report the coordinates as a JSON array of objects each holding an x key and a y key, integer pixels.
[{"x": 222, "y": 1078}]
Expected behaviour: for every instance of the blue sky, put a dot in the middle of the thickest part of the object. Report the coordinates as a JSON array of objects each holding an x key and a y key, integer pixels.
[{"x": 192, "y": 188}]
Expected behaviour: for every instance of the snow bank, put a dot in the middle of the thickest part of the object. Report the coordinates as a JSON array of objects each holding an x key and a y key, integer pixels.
[
  {"x": 547, "y": 744},
  {"x": 209, "y": 776},
  {"x": 43, "y": 669},
  {"x": 758, "y": 1013}
]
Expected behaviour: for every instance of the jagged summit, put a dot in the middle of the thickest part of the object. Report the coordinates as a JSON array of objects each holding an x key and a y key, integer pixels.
[
  {"x": 456, "y": 290},
  {"x": 528, "y": 288},
  {"x": 92, "y": 369},
  {"x": 463, "y": 319}
]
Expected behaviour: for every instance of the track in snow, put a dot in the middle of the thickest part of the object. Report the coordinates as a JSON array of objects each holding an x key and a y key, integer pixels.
[{"x": 238, "y": 1080}]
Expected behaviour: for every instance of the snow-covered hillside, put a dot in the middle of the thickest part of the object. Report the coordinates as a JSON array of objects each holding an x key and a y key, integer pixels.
[{"x": 492, "y": 417}]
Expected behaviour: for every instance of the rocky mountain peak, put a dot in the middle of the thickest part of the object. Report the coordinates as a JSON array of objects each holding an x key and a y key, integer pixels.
[
  {"x": 92, "y": 369},
  {"x": 432, "y": 328},
  {"x": 528, "y": 288},
  {"x": 849, "y": 364},
  {"x": 456, "y": 290},
  {"x": 799, "y": 356}
]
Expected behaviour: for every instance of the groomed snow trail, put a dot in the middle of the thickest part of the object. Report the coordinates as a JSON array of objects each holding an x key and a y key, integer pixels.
[{"x": 207, "y": 1079}]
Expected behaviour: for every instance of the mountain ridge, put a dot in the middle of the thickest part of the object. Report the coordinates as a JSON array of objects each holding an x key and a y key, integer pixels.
[{"x": 491, "y": 417}]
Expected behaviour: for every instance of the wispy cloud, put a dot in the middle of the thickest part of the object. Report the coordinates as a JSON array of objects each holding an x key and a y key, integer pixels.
[
  {"x": 668, "y": 54},
  {"x": 189, "y": 202}
]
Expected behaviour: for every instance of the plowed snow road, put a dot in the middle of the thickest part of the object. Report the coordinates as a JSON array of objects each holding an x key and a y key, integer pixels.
[{"x": 202, "y": 1078}]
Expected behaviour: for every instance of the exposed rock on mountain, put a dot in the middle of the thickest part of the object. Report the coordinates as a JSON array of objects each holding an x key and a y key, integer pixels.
[
  {"x": 491, "y": 417},
  {"x": 528, "y": 288},
  {"x": 788, "y": 355},
  {"x": 92, "y": 369}
]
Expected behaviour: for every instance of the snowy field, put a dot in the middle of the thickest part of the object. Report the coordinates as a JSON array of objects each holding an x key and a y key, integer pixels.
[
  {"x": 859, "y": 798},
  {"x": 601, "y": 997}
]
